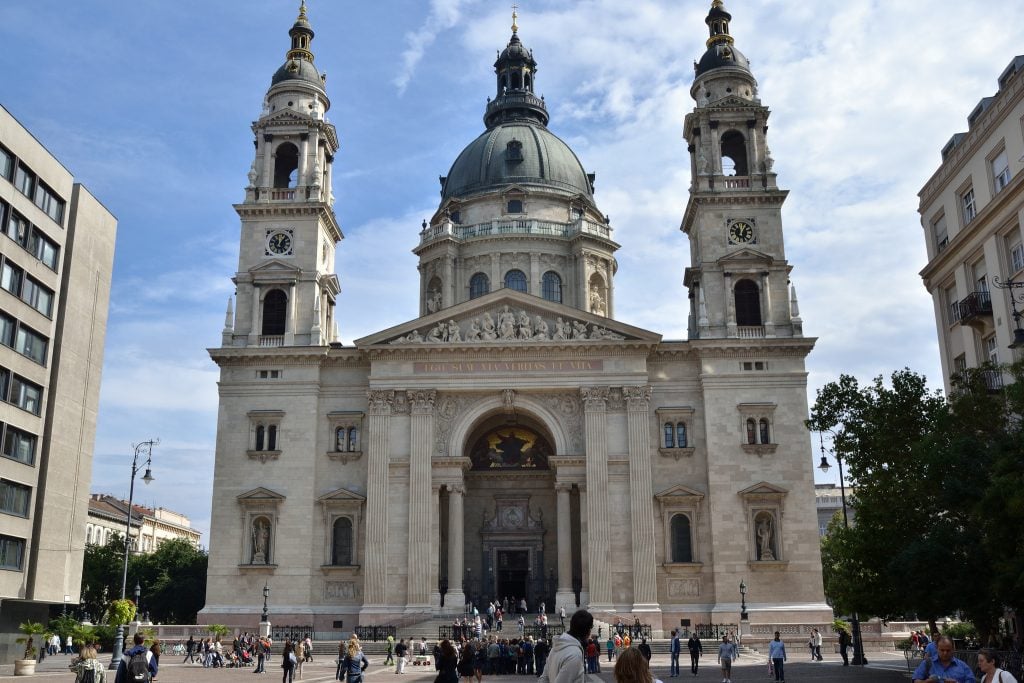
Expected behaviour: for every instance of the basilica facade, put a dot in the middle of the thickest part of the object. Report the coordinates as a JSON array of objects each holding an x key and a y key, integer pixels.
[{"x": 516, "y": 439}]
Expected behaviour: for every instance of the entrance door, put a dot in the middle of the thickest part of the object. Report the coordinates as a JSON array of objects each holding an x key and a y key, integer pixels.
[{"x": 513, "y": 573}]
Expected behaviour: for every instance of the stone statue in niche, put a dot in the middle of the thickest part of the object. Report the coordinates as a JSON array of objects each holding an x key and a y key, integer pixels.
[
  {"x": 260, "y": 541},
  {"x": 765, "y": 536},
  {"x": 433, "y": 301},
  {"x": 596, "y": 302},
  {"x": 253, "y": 175}
]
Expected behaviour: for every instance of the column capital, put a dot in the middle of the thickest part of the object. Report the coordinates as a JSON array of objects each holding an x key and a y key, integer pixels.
[
  {"x": 456, "y": 489},
  {"x": 638, "y": 398},
  {"x": 595, "y": 398},
  {"x": 381, "y": 401},
  {"x": 422, "y": 401},
  {"x": 563, "y": 486}
]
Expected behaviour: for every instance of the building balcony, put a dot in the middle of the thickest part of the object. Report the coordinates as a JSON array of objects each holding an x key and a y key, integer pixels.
[
  {"x": 499, "y": 228},
  {"x": 271, "y": 340},
  {"x": 993, "y": 380},
  {"x": 974, "y": 308},
  {"x": 750, "y": 331}
]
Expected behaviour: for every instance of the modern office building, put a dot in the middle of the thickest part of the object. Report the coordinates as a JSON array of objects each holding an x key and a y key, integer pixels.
[
  {"x": 56, "y": 255},
  {"x": 972, "y": 210}
]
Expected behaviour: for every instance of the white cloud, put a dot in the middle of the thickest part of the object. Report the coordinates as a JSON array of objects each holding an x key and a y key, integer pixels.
[{"x": 443, "y": 15}]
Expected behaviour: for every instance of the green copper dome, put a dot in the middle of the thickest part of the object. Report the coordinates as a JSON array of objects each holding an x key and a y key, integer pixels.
[{"x": 516, "y": 152}]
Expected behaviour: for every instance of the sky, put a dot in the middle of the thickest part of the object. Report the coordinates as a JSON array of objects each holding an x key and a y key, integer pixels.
[{"x": 150, "y": 103}]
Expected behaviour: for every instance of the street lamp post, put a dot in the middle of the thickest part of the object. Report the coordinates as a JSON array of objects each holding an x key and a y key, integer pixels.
[
  {"x": 743, "y": 601},
  {"x": 858, "y": 645},
  {"x": 266, "y": 594},
  {"x": 146, "y": 446},
  {"x": 138, "y": 602}
]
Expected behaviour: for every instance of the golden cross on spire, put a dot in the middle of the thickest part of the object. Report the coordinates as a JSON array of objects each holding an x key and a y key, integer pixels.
[
  {"x": 515, "y": 27},
  {"x": 302, "y": 9},
  {"x": 716, "y": 4}
]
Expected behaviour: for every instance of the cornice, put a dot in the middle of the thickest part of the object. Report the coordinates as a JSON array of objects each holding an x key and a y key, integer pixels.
[
  {"x": 257, "y": 356},
  {"x": 515, "y": 350},
  {"x": 287, "y": 208}
]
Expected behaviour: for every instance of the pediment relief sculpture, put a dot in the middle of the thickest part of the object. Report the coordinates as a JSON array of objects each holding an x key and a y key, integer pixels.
[{"x": 508, "y": 325}]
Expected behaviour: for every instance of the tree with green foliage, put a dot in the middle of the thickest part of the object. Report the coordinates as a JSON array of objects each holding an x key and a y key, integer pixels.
[{"x": 938, "y": 496}]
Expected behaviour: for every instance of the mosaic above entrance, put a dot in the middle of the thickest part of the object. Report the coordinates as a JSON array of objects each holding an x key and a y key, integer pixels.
[{"x": 510, "y": 448}]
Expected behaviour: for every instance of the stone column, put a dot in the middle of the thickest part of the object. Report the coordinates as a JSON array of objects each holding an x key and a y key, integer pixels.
[
  {"x": 768, "y": 318},
  {"x": 584, "y": 548},
  {"x": 377, "y": 456},
  {"x": 254, "y": 327},
  {"x": 595, "y": 401},
  {"x": 267, "y": 181},
  {"x": 435, "y": 547},
  {"x": 564, "y": 596},
  {"x": 289, "y": 321},
  {"x": 641, "y": 496},
  {"x": 533, "y": 277},
  {"x": 455, "y": 600},
  {"x": 730, "y": 308},
  {"x": 302, "y": 176},
  {"x": 448, "y": 286},
  {"x": 496, "y": 281},
  {"x": 421, "y": 439}
]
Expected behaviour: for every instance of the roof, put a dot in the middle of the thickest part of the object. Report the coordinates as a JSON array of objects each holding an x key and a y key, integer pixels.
[{"x": 517, "y": 152}]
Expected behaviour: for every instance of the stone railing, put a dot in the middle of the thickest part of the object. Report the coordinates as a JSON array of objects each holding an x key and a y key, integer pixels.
[
  {"x": 750, "y": 332},
  {"x": 497, "y": 228}
]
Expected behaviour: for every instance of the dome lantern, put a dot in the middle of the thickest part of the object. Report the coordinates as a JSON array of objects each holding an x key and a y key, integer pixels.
[{"x": 515, "y": 99}]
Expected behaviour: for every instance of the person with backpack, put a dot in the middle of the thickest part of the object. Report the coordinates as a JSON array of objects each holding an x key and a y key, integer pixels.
[
  {"x": 288, "y": 661},
  {"x": 88, "y": 669},
  {"x": 136, "y": 665}
]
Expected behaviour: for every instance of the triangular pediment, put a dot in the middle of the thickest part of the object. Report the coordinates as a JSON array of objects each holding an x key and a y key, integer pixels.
[
  {"x": 260, "y": 495},
  {"x": 743, "y": 256},
  {"x": 285, "y": 116},
  {"x": 341, "y": 496},
  {"x": 678, "y": 491},
  {"x": 274, "y": 270},
  {"x": 508, "y": 317},
  {"x": 763, "y": 488},
  {"x": 732, "y": 102}
]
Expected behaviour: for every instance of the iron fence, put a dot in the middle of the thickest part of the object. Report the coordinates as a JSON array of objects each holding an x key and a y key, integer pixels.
[
  {"x": 293, "y": 633},
  {"x": 715, "y": 631},
  {"x": 376, "y": 633}
]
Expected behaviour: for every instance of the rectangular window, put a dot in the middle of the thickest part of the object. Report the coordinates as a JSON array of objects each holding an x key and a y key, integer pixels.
[
  {"x": 992, "y": 350},
  {"x": 31, "y": 344},
  {"x": 952, "y": 305},
  {"x": 44, "y": 249},
  {"x": 26, "y": 395},
  {"x": 12, "y": 550},
  {"x": 7, "y": 327},
  {"x": 50, "y": 203},
  {"x": 20, "y": 445},
  {"x": 14, "y": 498},
  {"x": 5, "y": 384},
  {"x": 960, "y": 363},
  {"x": 10, "y": 278},
  {"x": 1017, "y": 257},
  {"x": 38, "y": 296},
  {"x": 1000, "y": 171},
  {"x": 940, "y": 232},
  {"x": 17, "y": 228},
  {"x": 25, "y": 180},
  {"x": 968, "y": 206},
  {"x": 6, "y": 163}
]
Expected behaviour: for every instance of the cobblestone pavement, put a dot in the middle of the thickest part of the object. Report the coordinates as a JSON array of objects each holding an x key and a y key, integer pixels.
[{"x": 884, "y": 668}]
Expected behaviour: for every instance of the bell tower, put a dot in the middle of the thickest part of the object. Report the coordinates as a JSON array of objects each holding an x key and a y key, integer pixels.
[
  {"x": 286, "y": 287},
  {"x": 738, "y": 280}
]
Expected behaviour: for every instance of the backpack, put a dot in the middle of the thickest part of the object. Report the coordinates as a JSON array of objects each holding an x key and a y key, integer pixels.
[
  {"x": 138, "y": 667},
  {"x": 88, "y": 676}
]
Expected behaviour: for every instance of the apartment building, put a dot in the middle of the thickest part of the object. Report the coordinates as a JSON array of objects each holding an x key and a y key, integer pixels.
[
  {"x": 151, "y": 527},
  {"x": 972, "y": 210},
  {"x": 56, "y": 255}
]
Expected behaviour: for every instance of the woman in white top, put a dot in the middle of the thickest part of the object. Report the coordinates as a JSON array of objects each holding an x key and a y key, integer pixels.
[{"x": 988, "y": 662}]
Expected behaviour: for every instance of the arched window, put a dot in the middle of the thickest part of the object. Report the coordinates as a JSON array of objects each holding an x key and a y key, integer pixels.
[
  {"x": 353, "y": 439},
  {"x": 516, "y": 279},
  {"x": 275, "y": 307},
  {"x": 681, "y": 434},
  {"x": 751, "y": 431},
  {"x": 286, "y": 165},
  {"x": 682, "y": 547},
  {"x": 478, "y": 285},
  {"x": 272, "y": 438},
  {"x": 748, "y": 304},
  {"x": 734, "y": 154},
  {"x": 340, "y": 440},
  {"x": 551, "y": 286},
  {"x": 765, "y": 435},
  {"x": 514, "y": 206},
  {"x": 261, "y": 437},
  {"x": 670, "y": 437},
  {"x": 341, "y": 547}
]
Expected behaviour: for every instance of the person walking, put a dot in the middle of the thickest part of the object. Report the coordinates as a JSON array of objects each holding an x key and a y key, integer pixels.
[
  {"x": 611, "y": 647},
  {"x": 565, "y": 663},
  {"x": 287, "y": 662},
  {"x": 300, "y": 659},
  {"x": 696, "y": 649},
  {"x": 645, "y": 649},
  {"x": 136, "y": 663},
  {"x": 561, "y": 616},
  {"x": 353, "y": 664},
  {"x": 446, "y": 662},
  {"x": 400, "y": 651},
  {"x": 945, "y": 667},
  {"x": 261, "y": 658},
  {"x": 816, "y": 639},
  {"x": 844, "y": 646},
  {"x": 390, "y": 660},
  {"x": 87, "y": 662},
  {"x": 777, "y": 653},
  {"x": 674, "y": 649},
  {"x": 540, "y": 653},
  {"x": 988, "y": 662},
  {"x": 190, "y": 650},
  {"x": 726, "y": 655}
]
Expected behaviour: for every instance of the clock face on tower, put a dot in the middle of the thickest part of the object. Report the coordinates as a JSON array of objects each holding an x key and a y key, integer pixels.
[
  {"x": 741, "y": 232},
  {"x": 279, "y": 242}
]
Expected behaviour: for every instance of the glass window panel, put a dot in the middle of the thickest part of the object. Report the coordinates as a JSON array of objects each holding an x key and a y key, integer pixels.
[
  {"x": 516, "y": 279},
  {"x": 681, "y": 435},
  {"x": 552, "y": 287},
  {"x": 38, "y": 296},
  {"x": 341, "y": 550},
  {"x": 7, "y": 328},
  {"x": 31, "y": 345},
  {"x": 670, "y": 440},
  {"x": 14, "y": 498},
  {"x": 49, "y": 202},
  {"x": 1000, "y": 171},
  {"x": 6, "y": 163},
  {"x": 26, "y": 395},
  {"x": 24, "y": 180},
  {"x": 17, "y": 228},
  {"x": 751, "y": 431},
  {"x": 478, "y": 285},
  {"x": 20, "y": 445},
  {"x": 11, "y": 552},
  {"x": 10, "y": 278},
  {"x": 682, "y": 549},
  {"x": 1017, "y": 257},
  {"x": 765, "y": 436},
  {"x": 44, "y": 249},
  {"x": 969, "y": 208}
]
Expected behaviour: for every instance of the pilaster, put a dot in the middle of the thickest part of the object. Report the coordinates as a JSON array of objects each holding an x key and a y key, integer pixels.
[
  {"x": 641, "y": 497},
  {"x": 595, "y": 402},
  {"x": 455, "y": 599},
  {"x": 378, "y": 418},
  {"x": 421, "y": 404},
  {"x": 564, "y": 595}
]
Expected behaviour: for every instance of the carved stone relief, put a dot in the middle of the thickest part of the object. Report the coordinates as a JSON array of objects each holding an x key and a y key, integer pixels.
[
  {"x": 341, "y": 591},
  {"x": 508, "y": 325},
  {"x": 683, "y": 588}
]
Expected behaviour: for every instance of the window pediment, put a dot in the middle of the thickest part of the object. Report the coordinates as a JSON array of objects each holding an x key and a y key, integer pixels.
[
  {"x": 744, "y": 258},
  {"x": 260, "y": 496}
]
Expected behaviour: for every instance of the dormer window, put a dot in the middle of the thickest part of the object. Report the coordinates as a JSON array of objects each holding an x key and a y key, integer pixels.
[
  {"x": 514, "y": 151},
  {"x": 514, "y": 206}
]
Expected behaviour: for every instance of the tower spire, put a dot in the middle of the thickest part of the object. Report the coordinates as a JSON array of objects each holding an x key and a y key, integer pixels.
[
  {"x": 515, "y": 26},
  {"x": 302, "y": 36},
  {"x": 516, "y": 70}
]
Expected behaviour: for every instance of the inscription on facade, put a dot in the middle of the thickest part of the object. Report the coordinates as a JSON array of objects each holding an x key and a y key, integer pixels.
[{"x": 507, "y": 367}]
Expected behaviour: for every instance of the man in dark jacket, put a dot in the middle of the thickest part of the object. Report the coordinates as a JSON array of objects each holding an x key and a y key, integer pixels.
[
  {"x": 540, "y": 653},
  {"x": 645, "y": 649},
  {"x": 138, "y": 648},
  {"x": 696, "y": 650}
]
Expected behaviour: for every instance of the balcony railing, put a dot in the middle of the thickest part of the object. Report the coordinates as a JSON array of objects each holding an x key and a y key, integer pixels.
[
  {"x": 750, "y": 331},
  {"x": 279, "y": 195},
  {"x": 270, "y": 340},
  {"x": 514, "y": 227},
  {"x": 735, "y": 183},
  {"x": 973, "y": 306},
  {"x": 993, "y": 379}
]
